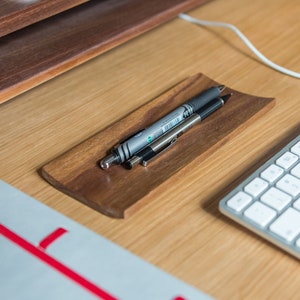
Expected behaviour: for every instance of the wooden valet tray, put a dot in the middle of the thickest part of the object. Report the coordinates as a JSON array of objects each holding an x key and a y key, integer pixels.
[{"x": 118, "y": 192}]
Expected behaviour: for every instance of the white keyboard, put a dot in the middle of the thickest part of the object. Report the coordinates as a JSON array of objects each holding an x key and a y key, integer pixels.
[{"x": 268, "y": 201}]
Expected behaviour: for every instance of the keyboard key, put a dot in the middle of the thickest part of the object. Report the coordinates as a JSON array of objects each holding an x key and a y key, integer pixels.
[
  {"x": 287, "y": 225},
  {"x": 256, "y": 186},
  {"x": 239, "y": 201},
  {"x": 296, "y": 149},
  {"x": 276, "y": 199},
  {"x": 287, "y": 160},
  {"x": 272, "y": 173},
  {"x": 296, "y": 171},
  {"x": 297, "y": 204},
  {"x": 289, "y": 184},
  {"x": 260, "y": 214}
]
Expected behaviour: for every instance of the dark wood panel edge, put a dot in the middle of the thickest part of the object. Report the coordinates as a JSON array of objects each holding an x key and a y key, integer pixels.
[
  {"x": 40, "y": 72},
  {"x": 34, "y": 13}
]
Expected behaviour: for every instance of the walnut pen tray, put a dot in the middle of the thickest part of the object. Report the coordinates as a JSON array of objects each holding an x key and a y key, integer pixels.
[{"x": 118, "y": 192}]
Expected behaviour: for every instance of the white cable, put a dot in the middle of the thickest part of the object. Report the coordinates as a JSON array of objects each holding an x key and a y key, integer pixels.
[{"x": 244, "y": 39}]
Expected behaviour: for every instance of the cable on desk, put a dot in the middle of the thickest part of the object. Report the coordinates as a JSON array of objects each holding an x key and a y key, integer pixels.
[{"x": 244, "y": 39}]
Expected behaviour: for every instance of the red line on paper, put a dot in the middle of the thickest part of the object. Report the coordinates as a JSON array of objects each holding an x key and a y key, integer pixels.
[
  {"x": 55, "y": 264},
  {"x": 48, "y": 240}
]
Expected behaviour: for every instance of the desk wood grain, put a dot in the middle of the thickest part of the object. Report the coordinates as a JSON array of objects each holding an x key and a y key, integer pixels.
[{"x": 180, "y": 230}]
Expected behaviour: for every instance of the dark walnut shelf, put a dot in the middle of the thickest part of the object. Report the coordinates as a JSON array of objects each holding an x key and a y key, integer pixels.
[{"x": 50, "y": 47}]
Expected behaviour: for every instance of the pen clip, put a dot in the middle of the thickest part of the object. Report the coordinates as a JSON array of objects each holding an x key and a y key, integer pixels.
[{"x": 146, "y": 161}]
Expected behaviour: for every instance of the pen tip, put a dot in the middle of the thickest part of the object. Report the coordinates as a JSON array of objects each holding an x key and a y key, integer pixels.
[
  {"x": 225, "y": 98},
  {"x": 221, "y": 88}
]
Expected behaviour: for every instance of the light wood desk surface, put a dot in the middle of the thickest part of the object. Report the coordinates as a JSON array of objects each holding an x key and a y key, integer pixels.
[{"x": 180, "y": 230}]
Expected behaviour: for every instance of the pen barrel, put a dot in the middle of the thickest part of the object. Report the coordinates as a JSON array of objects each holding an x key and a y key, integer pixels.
[
  {"x": 134, "y": 144},
  {"x": 187, "y": 124},
  {"x": 169, "y": 138},
  {"x": 176, "y": 132},
  {"x": 210, "y": 108},
  {"x": 162, "y": 143},
  {"x": 200, "y": 100},
  {"x": 145, "y": 137},
  {"x": 130, "y": 147}
]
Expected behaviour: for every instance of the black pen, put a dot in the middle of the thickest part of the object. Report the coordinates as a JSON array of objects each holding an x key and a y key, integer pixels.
[
  {"x": 134, "y": 144},
  {"x": 164, "y": 142}
]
